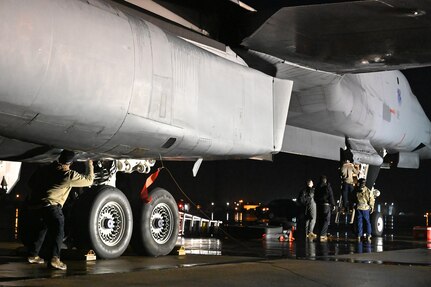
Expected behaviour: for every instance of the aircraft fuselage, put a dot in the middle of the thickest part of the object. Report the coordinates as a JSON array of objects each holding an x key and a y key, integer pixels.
[
  {"x": 88, "y": 77},
  {"x": 376, "y": 107}
]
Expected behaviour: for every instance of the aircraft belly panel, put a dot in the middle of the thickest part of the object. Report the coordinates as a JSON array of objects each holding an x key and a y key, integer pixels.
[
  {"x": 311, "y": 143},
  {"x": 143, "y": 67},
  {"x": 86, "y": 62},
  {"x": 22, "y": 70},
  {"x": 219, "y": 108},
  {"x": 234, "y": 107},
  {"x": 161, "y": 93},
  {"x": 141, "y": 134},
  {"x": 117, "y": 85},
  {"x": 186, "y": 63}
]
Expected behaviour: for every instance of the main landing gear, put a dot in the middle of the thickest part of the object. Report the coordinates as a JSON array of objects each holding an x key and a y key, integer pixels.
[{"x": 106, "y": 220}]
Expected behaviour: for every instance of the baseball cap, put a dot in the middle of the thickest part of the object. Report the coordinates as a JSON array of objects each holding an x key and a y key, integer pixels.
[{"x": 66, "y": 157}]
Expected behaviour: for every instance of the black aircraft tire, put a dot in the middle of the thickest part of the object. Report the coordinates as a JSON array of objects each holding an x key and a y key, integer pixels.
[
  {"x": 106, "y": 222},
  {"x": 156, "y": 225},
  {"x": 377, "y": 224}
]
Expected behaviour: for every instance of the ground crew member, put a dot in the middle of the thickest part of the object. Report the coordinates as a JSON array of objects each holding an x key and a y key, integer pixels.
[
  {"x": 324, "y": 198},
  {"x": 364, "y": 208},
  {"x": 306, "y": 200},
  {"x": 50, "y": 188},
  {"x": 348, "y": 170}
]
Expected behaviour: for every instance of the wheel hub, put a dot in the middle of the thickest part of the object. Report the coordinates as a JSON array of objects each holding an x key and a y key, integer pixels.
[
  {"x": 108, "y": 223},
  {"x": 162, "y": 224},
  {"x": 380, "y": 224},
  {"x": 159, "y": 223},
  {"x": 111, "y": 223}
]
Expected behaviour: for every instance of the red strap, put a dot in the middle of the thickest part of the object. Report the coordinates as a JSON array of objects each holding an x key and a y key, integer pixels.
[{"x": 150, "y": 180}]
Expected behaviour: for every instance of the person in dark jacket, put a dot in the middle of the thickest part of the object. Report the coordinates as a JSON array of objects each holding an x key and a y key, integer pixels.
[
  {"x": 306, "y": 201},
  {"x": 50, "y": 186},
  {"x": 324, "y": 198}
]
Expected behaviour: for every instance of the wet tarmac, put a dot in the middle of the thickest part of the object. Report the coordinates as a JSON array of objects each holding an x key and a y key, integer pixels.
[{"x": 385, "y": 261}]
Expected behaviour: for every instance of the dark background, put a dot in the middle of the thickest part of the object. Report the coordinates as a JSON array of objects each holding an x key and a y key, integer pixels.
[{"x": 259, "y": 181}]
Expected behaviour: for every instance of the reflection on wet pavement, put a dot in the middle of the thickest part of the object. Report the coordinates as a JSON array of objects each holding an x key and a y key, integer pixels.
[
  {"x": 214, "y": 251},
  {"x": 201, "y": 246},
  {"x": 315, "y": 250}
]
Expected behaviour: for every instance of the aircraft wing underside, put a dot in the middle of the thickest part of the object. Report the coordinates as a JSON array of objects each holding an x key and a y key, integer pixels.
[{"x": 349, "y": 37}]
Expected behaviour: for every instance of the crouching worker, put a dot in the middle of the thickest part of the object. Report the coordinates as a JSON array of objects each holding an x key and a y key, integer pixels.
[
  {"x": 51, "y": 186},
  {"x": 364, "y": 208}
]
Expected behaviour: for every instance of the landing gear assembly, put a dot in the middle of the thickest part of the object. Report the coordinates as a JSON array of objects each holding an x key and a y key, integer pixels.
[
  {"x": 112, "y": 222},
  {"x": 106, "y": 220}
]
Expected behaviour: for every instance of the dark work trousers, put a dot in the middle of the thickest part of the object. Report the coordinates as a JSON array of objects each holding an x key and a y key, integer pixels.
[
  {"x": 53, "y": 224},
  {"x": 347, "y": 192},
  {"x": 323, "y": 217},
  {"x": 299, "y": 234}
]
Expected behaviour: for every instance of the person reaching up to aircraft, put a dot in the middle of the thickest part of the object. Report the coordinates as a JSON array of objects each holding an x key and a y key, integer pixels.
[
  {"x": 51, "y": 186},
  {"x": 348, "y": 170}
]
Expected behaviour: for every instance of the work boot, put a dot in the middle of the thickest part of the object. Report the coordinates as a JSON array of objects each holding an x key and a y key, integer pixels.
[
  {"x": 311, "y": 235},
  {"x": 35, "y": 260},
  {"x": 57, "y": 264},
  {"x": 323, "y": 238}
]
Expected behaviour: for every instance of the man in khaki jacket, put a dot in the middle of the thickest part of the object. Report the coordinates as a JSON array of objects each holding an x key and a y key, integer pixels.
[
  {"x": 348, "y": 170},
  {"x": 365, "y": 206},
  {"x": 51, "y": 186}
]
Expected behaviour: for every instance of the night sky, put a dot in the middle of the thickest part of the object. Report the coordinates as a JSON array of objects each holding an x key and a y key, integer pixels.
[{"x": 259, "y": 181}]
